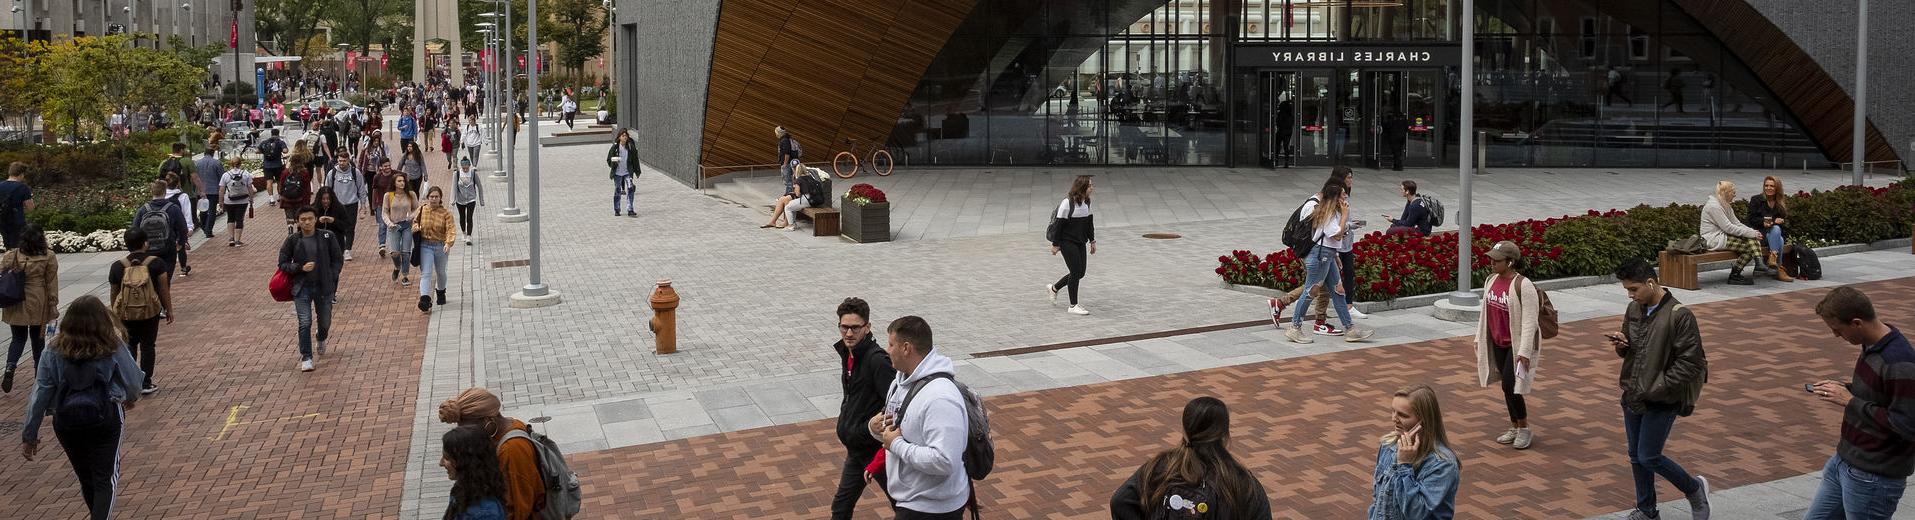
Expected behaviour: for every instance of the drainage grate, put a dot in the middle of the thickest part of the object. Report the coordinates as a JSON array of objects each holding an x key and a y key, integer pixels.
[
  {"x": 511, "y": 263},
  {"x": 1162, "y": 236}
]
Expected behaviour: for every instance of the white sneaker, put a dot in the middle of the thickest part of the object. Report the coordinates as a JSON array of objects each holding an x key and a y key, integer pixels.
[
  {"x": 1078, "y": 310},
  {"x": 1053, "y": 291},
  {"x": 1507, "y": 437},
  {"x": 306, "y": 366},
  {"x": 1295, "y": 335},
  {"x": 348, "y": 255},
  {"x": 1523, "y": 438},
  {"x": 1356, "y": 335},
  {"x": 1358, "y": 314},
  {"x": 468, "y": 241}
]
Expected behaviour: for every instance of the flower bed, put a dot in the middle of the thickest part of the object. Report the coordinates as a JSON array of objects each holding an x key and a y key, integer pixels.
[
  {"x": 1390, "y": 266},
  {"x": 102, "y": 240}
]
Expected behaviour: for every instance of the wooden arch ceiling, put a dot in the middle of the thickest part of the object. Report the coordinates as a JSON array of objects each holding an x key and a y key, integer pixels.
[{"x": 826, "y": 70}]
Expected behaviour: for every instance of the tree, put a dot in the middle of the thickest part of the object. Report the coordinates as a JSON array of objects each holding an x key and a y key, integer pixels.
[
  {"x": 84, "y": 80},
  {"x": 578, "y": 27},
  {"x": 19, "y": 92},
  {"x": 289, "y": 24}
]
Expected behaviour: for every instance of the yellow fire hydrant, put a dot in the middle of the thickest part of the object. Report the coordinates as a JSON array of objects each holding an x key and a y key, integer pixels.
[{"x": 664, "y": 319}]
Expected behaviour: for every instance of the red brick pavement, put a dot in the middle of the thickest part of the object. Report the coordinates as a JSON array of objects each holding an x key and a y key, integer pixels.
[
  {"x": 326, "y": 444},
  {"x": 1308, "y": 427}
]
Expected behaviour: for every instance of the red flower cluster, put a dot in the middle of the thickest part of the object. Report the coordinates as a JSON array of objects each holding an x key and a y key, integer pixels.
[
  {"x": 1401, "y": 264},
  {"x": 865, "y": 194}
]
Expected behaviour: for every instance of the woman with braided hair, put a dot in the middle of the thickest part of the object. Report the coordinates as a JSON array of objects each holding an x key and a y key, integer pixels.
[{"x": 518, "y": 460}]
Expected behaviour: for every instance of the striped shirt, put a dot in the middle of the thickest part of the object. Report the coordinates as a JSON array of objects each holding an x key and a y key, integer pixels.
[{"x": 1878, "y": 427}]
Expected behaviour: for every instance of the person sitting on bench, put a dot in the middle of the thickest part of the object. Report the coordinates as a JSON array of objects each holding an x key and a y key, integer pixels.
[{"x": 1723, "y": 232}]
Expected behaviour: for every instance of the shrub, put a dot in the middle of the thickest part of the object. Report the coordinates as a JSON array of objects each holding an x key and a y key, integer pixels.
[{"x": 1590, "y": 244}]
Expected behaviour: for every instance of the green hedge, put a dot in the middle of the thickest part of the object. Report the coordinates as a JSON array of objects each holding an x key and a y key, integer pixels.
[{"x": 93, "y": 186}]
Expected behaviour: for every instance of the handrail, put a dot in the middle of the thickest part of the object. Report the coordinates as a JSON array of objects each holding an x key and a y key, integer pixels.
[{"x": 735, "y": 167}]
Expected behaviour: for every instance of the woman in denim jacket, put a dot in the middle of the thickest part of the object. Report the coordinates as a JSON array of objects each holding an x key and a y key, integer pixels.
[
  {"x": 89, "y": 345},
  {"x": 1416, "y": 473}
]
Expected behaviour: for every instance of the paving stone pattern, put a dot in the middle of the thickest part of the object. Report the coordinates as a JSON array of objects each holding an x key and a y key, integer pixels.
[{"x": 1308, "y": 427}]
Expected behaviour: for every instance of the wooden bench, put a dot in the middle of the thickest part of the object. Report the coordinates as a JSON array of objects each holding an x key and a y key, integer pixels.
[
  {"x": 1679, "y": 270},
  {"x": 824, "y": 221}
]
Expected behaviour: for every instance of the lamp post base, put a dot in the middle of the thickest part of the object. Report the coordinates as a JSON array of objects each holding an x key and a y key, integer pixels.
[
  {"x": 514, "y": 215},
  {"x": 521, "y": 301},
  {"x": 1459, "y": 307}
]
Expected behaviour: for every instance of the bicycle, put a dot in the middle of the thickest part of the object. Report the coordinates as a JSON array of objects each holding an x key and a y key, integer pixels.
[{"x": 847, "y": 165}]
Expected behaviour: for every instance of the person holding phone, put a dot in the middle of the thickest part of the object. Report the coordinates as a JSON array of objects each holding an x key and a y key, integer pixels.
[
  {"x": 1768, "y": 212},
  {"x": 1508, "y": 337},
  {"x": 1663, "y": 370},
  {"x": 1416, "y": 472},
  {"x": 1331, "y": 219},
  {"x": 1876, "y": 452}
]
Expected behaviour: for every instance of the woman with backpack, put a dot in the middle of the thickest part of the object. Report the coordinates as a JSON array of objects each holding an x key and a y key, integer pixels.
[
  {"x": 1509, "y": 336},
  {"x": 518, "y": 458},
  {"x": 40, "y": 296},
  {"x": 472, "y": 463},
  {"x": 1073, "y": 233},
  {"x": 1331, "y": 221},
  {"x": 91, "y": 375},
  {"x": 237, "y": 186},
  {"x": 1194, "y": 478},
  {"x": 141, "y": 296},
  {"x": 449, "y": 140},
  {"x": 295, "y": 183},
  {"x": 1416, "y": 473},
  {"x": 467, "y": 194}
]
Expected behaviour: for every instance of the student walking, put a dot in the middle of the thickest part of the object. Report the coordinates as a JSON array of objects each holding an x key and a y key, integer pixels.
[
  {"x": 467, "y": 193},
  {"x": 400, "y": 209},
  {"x": 16, "y": 199},
  {"x": 412, "y": 163},
  {"x": 924, "y": 441},
  {"x": 296, "y": 182},
  {"x": 472, "y": 138},
  {"x": 272, "y": 154},
  {"x": 518, "y": 460},
  {"x": 141, "y": 296},
  {"x": 207, "y": 171},
  {"x": 86, "y": 386},
  {"x": 1197, "y": 476},
  {"x": 1329, "y": 219},
  {"x": 866, "y": 379},
  {"x": 175, "y": 194},
  {"x": 1876, "y": 451},
  {"x": 236, "y": 193},
  {"x": 449, "y": 142},
  {"x": 376, "y": 189},
  {"x": 311, "y": 256},
  {"x": 472, "y": 463},
  {"x": 350, "y": 187},
  {"x": 1073, "y": 233},
  {"x": 1416, "y": 474},
  {"x": 29, "y": 318},
  {"x": 1508, "y": 338},
  {"x": 163, "y": 221},
  {"x": 436, "y": 233},
  {"x": 623, "y": 159},
  {"x": 1663, "y": 370}
]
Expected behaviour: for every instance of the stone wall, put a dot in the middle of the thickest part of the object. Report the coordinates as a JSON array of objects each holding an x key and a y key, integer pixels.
[
  {"x": 663, "y": 76},
  {"x": 1826, "y": 30}
]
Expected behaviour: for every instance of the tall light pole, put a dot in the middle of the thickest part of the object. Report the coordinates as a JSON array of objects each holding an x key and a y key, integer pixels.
[
  {"x": 1463, "y": 298},
  {"x": 535, "y": 293},
  {"x": 511, "y": 213},
  {"x": 1861, "y": 92},
  {"x": 343, "y": 69}
]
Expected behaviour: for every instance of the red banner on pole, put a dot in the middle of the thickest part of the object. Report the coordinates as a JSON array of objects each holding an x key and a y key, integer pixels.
[{"x": 235, "y": 40}]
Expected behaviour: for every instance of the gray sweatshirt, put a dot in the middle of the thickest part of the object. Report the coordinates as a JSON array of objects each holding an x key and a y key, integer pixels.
[
  {"x": 925, "y": 466},
  {"x": 466, "y": 188},
  {"x": 347, "y": 185}
]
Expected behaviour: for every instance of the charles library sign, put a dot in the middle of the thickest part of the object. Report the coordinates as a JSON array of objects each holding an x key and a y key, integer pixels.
[{"x": 1326, "y": 56}]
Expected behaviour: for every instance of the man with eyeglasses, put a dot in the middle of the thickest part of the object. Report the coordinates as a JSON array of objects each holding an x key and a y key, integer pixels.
[{"x": 867, "y": 378}]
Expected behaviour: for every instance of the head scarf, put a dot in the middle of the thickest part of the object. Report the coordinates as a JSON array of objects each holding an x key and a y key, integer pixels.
[{"x": 473, "y": 403}]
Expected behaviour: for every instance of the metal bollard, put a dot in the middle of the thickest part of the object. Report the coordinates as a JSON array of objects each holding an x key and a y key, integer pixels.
[
  {"x": 1482, "y": 153},
  {"x": 664, "y": 317}
]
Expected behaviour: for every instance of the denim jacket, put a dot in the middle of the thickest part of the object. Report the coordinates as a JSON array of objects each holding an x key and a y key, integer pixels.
[
  {"x": 50, "y": 376},
  {"x": 1406, "y": 492}
]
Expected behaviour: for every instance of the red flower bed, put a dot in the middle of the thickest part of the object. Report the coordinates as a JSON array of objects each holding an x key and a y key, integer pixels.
[{"x": 864, "y": 194}]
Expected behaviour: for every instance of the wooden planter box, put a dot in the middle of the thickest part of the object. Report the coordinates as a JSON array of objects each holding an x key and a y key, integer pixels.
[{"x": 867, "y": 223}]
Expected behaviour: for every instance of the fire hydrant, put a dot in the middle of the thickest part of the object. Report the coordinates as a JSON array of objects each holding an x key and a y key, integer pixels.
[{"x": 664, "y": 320}]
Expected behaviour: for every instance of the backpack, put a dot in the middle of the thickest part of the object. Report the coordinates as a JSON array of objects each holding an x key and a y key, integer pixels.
[
  {"x": 1801, "y": 262},
  {"x": 814, "y": 190},
  {"x": 154, "y": 222},
  {"x": 290, "y": 185},
  {"x": 979, "y": 454},
  {"x": 239, "y": 186},
  {"x": 84, "y": 402},
  {"x": 1435, "y": 207},
  {"x": 273, "y": 150},
  {"x": 1546, "y": 322},
  {"x": 1297, "y": 234},
  {"x": 562, "y": 495},
  {"x": 138, "y": 299}
]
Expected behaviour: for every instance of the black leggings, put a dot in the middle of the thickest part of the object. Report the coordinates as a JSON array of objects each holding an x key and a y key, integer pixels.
[
  {"x": 1074, "y": 260},
  {"x": 465, "y": 216},
  {"x": 22, "y": 333},
  {"x": 1506, "y": 371},
  {"x": 95, "y": 454},
  {"x": 141, "y": 336}
]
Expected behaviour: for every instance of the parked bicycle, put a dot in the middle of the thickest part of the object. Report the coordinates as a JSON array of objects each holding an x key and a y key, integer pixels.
[{"x": 876, "y": 159}]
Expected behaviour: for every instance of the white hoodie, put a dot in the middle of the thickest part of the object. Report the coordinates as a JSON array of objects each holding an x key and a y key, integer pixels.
[
  {"x": 925, "y": 466},
  {"x": 186, "y": 208}
]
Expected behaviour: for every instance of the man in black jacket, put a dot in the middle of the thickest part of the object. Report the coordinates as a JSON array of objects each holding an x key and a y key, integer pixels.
[
  {"x": 867, "y": 377},
  {"x": 312, "y": 257},
  {"x": 1663, "y": 371}
]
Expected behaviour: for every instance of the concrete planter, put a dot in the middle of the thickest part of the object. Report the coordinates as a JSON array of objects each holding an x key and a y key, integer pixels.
[{"x": 866, "y": 223}]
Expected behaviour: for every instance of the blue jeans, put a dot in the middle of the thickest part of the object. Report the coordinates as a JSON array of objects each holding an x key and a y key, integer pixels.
[
  {"x": 432, "y": 267},
  {"x": 401, "y": 239},
  {"x": 626, "y": 185},
  {"x": 1853, "y": 494},
  {"x": 1647, "y": 432},
  {"x": 1774, "y": 238},
  {"x": 1321, "y": 267},
  {"x": 379, "y": 216},
  {"x": 305, "y": 300}
]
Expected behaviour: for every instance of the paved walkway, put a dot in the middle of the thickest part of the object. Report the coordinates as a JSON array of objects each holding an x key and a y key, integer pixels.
[{"x": 1312, "y": 443}]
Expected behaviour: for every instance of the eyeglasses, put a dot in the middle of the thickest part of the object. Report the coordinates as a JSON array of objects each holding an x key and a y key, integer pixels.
[{"x": 849, "y": 328}]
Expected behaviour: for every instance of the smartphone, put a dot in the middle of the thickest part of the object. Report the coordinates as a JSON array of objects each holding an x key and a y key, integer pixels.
[{"x": 1808, "y": 387}]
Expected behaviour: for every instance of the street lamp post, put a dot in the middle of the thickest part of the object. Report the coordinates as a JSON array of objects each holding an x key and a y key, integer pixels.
[
  {"x": 535, "y": 293},
  {"x": 1463, "y": 298},
  {"x": 1860, "y": 128},
  {"x": 511, "y": 213}
]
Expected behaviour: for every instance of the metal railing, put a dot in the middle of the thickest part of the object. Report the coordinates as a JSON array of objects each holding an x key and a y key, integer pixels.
[{"x": 704, "y": 170}]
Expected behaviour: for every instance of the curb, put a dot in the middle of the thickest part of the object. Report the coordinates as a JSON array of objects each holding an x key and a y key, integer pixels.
[{"x": 1555, "y": 284}]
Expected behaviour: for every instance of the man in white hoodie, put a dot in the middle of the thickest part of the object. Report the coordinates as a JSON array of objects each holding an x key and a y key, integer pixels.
[{"x": 924, "y": 442}]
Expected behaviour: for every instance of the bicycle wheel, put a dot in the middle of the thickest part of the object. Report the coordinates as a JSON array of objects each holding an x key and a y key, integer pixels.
[
  {"x": 881, "y": 162},
  {"x": 844, "y": 164}
]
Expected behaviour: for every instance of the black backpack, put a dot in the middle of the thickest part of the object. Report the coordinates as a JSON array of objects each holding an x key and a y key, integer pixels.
[
  {"x": 815, "y": 189},
  {"x": 290, "y": 185},
  {"x": 84, "y": 402},
  {"x": 1298, "y": 235},
  {"x": 1435, "y": 207},
  {"x": 1801, "y": 262}
]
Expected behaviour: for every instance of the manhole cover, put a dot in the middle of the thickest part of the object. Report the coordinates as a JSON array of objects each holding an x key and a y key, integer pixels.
[
  {"x": 1162, "y": 236},
  {"x": 511, "y": 263}
]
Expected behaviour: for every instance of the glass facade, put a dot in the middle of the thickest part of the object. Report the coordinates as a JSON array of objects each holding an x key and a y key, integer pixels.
[{"x": 1623, "y": 83}]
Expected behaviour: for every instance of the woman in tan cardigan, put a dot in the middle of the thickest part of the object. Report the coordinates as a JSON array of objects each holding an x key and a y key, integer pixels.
[
  {"x": 29, "y": 319},
  {"x": 1507, "y": 337}
]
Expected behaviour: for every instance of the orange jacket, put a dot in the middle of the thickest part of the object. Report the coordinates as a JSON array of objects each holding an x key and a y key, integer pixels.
[{"x": 524, "y": 490}]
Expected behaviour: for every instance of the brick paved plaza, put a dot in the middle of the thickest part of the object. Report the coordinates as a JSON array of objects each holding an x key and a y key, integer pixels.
[{"x": 734, "y": 425}]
